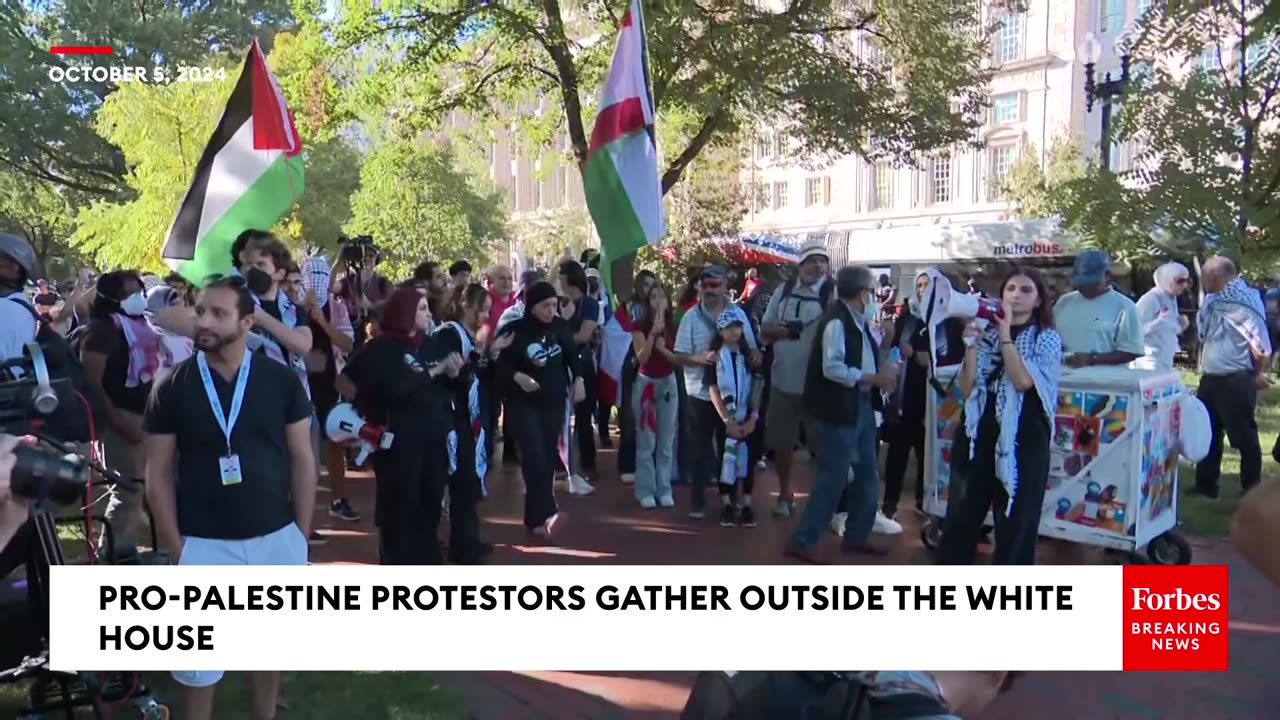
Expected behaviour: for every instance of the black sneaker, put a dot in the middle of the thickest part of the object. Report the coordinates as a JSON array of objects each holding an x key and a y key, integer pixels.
[
  {"x": 342, "y": 510},
  {"x": 729, "y": 516},
  {"x": 747, "y": 517}
]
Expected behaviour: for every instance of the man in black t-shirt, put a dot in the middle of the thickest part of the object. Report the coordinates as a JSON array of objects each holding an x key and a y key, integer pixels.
[{"x": 231, "y": 479}]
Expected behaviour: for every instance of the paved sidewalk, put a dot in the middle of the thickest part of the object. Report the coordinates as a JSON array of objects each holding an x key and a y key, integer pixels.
[{"x": 609, "y": 528}]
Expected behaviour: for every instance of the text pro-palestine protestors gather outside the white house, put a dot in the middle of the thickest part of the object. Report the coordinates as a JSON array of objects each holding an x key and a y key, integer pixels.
[
  {"x": 1234, "y": 354},
  {"x": 231, "y": 479}
]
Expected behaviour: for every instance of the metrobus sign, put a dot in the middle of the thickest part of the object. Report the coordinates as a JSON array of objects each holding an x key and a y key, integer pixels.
[{"x": 1033, "y": 248}]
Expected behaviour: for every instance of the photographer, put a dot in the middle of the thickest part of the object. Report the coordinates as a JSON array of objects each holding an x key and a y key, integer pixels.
[
  {"x": 13, "y": 509},
  {"x": 359, "y": 285},
  {"x": 17, "y": 323}
]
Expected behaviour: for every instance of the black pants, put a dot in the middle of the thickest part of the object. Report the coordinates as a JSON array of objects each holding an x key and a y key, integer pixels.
[
  {"x": 411, "y": 479},
  {"x": 583, "y": 415},
  {"x": 1231, "y": 400},
  {"x": 464, "y": 499},
  {"x": 979, "y": 491},
  {"x": 684, "y": 472},
  {"x": 903, "y": 437},
  {"x": 537, "y": 428},
  {"x": 704, "y": 432},
  {"x": 627, "y": 421}
]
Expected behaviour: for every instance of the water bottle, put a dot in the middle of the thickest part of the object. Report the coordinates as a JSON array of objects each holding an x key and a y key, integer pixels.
[{"x": 895, "y": 356}]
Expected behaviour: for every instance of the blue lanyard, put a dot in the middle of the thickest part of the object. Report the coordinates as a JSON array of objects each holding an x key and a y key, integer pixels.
[{"x": 237, "y": 398}]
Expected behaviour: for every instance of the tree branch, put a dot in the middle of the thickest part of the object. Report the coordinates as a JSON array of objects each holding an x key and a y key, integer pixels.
[
  {"x": 558, "y": 46},
  {"x": 699, "y": 141}
]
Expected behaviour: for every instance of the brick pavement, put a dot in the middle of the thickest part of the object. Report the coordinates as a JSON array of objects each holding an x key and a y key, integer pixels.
[{"x": 609, "y": 528}]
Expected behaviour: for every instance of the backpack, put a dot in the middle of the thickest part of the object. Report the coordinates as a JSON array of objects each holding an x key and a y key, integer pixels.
[
  {"x": 811, "y": 695},
  {"x": 70, "y": 422}
]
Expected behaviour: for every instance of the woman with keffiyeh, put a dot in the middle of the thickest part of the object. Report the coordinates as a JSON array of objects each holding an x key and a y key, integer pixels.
[{"x": 1000, "y": 456}]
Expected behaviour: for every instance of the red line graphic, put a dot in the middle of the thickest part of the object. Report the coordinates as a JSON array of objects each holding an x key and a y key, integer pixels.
[{"x": 81, "y": 50}]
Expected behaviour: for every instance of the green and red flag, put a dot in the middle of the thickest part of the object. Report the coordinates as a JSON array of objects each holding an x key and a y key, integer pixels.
[
  {"x": 249, "y": 176},
  {"x": 620, "y": 177}
]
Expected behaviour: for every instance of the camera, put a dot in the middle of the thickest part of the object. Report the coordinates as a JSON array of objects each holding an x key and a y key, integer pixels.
[
  {"x": 356, "y": 250},
  {"x": 29, "y": 400}
]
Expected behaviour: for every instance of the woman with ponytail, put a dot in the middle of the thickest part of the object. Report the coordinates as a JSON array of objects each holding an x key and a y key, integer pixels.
[{"x": 399, "y": 381}]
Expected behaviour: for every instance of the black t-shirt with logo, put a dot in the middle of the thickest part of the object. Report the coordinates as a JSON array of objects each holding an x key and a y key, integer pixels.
[
  {"x": 545, "y": 353},
  {"x": 394, "y": 389},
  {"x": 104, "y": 337},
  {"x": 261, "y": 503}
]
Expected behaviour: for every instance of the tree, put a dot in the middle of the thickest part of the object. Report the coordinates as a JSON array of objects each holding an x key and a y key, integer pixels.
[
  {"x": 876, "y": 78},
  {"x": 1203, "y": 110},
  {"x": 418, "y": 206},
  {"x": 711, "y": 202},
  {"x": 47, "y": 128},
  {"x": 544, "y": 238},
  {"x": 42, "y": 213}
]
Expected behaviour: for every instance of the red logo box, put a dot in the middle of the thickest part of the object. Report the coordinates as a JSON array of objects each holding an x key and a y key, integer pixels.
[{"x": 1175, "y": 617}]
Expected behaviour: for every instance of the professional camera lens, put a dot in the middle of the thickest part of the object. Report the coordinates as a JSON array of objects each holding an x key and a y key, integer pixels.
[{"x": 38, "y": 474}]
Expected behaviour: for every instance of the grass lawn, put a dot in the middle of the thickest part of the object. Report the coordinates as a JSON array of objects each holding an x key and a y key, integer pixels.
[
  {"x": 313, "y": 696},
  {"x": 1212, "y": 518}
]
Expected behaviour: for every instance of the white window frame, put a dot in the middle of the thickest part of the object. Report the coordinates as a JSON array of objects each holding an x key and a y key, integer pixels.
[
  {"x": 881, "y": 170},
  {"x": 994, "y": 153},
  {"x": 944, "y": 182},
  {"x": 779, "y": 194},
  {"x": 812, "y": 191},
  {"x": 1010, "y": 36},
  {"x": 1016, "y": 97},
  {"x": 1112, "y": 15}
]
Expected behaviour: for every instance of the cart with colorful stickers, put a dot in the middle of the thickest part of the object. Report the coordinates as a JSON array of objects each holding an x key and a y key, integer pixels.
[{"x": 1113, "y": 477}]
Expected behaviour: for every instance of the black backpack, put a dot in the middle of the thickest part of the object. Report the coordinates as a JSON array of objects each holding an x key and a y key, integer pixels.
[
  {"x": 811, "y": 695},
  {"x": 70, "y": 422}
]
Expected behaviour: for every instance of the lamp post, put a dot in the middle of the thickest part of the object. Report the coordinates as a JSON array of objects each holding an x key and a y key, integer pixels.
[{"x": 1104, "y": 91}]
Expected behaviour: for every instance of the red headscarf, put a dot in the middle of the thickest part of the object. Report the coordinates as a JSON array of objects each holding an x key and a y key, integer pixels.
[{"x": 399, "y": 316}]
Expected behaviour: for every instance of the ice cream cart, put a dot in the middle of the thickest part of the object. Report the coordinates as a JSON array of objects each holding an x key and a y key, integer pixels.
[{"x": 1113, "y": 477}]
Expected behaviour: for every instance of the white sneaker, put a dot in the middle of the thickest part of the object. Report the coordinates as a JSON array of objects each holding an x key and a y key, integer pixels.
[
  {"x": 628, "y": 478},
  {"x": 837, "y": 523},
  {"x": 885, "y": 526},
  {"x": 578, "y": 485},
  {"x": 648, "y": 503},
  {"x": 667, "y": 501},
  {"x": 761, "y": 464}
]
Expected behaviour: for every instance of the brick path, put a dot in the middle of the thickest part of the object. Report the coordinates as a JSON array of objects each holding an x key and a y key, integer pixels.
[{"x": 609, "y": 528}]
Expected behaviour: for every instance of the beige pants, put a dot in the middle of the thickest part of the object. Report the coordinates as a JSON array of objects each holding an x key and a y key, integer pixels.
[{"x": 126, "y": 511}]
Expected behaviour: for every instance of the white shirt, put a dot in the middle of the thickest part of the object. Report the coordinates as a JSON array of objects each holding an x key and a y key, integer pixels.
[
  {"x": 1158, "y": 315},
  {"x": 17, "y": 325},
  {"x": 834, "y": 367}
]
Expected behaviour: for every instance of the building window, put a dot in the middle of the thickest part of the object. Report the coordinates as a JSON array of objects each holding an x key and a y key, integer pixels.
[
  {"x": 759, "y": 197},
  {"x": 940, "y": 179},
  {"x": 1005, "y": 108},
  {"x": 1002, "y": 159},
  {"x": 883, "y": 177},
  {"x": 1207, "y": 60},
  {"x": 764, "y": 147},
  {"x": 779, "y": 145},
  {"x": 1111, "y": 15},
  {"x": 812, "y": 192},
  {"x": 1009, "y": 39},
  {"x": 779, "y": 195},
  {"x": 1143, "y": 6}
]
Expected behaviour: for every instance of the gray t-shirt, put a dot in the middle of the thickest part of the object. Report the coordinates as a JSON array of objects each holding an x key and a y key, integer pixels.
[
  {"x": 791, "y": 357},
  {"x": 697, "y": 327}
]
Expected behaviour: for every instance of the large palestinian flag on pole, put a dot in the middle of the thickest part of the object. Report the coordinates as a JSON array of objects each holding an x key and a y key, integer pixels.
[
  {"x": 620, "y": 177},
  {"x": 248, "y": 178}
]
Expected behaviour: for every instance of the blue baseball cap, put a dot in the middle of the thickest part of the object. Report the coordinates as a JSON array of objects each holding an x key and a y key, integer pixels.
[{"x": 1091, "y": 268}]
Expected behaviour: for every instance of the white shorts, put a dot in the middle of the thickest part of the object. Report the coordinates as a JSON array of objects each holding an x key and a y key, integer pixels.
[{"x": 286, "y": 546}]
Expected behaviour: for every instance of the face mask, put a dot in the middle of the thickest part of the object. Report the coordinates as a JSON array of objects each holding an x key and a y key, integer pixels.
[
  {"x": 258, "y": 280},
  {"x": 870, "y": 311},
  {"x": 134, "y": 305}
]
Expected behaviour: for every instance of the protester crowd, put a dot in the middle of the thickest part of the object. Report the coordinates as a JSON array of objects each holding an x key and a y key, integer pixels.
[{"x": 461, "y": 365}]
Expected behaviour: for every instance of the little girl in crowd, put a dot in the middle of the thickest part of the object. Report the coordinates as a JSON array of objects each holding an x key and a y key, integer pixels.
[{"x": 738, "y": 403}]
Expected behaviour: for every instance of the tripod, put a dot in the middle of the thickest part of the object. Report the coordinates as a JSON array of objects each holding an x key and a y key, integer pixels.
[{"x": 58, "y": 692}]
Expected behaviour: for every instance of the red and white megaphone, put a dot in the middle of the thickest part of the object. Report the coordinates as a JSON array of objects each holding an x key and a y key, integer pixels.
[
  {"x": 344, "y": 425},
  {"x": 941, "y": 301}
]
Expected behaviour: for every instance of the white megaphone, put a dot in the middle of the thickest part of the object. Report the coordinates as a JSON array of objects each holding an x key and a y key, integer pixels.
[
  {"x": 940, "y": 301},
  {"x": 344, "y": 425}
]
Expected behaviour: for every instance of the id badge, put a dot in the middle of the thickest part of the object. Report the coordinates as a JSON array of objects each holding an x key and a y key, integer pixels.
[{"x": 229, "y": 469}]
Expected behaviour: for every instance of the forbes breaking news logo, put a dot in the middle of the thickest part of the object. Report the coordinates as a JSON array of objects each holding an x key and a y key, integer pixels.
[{"x": 1176, "y": 617}]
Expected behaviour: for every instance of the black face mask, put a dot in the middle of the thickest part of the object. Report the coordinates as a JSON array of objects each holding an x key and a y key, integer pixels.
[{"x": 258, "y": 280}]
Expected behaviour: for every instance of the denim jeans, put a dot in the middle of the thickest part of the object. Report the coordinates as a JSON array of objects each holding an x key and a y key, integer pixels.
[
  {"x": 654, "y": 446},
  {"x": 843, "y": 447}
]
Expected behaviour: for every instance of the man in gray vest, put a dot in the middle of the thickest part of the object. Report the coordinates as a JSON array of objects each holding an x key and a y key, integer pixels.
[{"x": 842, "y": 393}]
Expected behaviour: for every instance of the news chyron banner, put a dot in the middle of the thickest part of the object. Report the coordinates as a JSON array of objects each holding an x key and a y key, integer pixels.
[{"x": 622, "y": 618}]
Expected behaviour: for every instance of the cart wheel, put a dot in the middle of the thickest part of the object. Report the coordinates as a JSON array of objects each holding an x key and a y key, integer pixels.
[
  {"x": 931, "y": 534},
  {"x": 1169, "y": 548}
]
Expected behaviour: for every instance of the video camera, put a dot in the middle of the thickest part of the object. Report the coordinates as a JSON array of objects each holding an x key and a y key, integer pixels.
[
  {"x": 357, "y": 250},
  {"x": 29, "y": 397}
]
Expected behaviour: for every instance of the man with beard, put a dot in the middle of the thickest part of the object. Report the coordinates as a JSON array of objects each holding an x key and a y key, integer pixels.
[{"x": 231, "y": 479}]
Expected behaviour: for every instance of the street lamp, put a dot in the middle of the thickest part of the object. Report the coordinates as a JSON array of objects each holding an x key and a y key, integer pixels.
[{"x": 1104, "y": 91}]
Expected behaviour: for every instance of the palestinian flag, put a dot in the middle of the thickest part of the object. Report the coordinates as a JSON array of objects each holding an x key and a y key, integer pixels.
[
  {"x": 248, "y": 178},
  {"x": 620, "y": 177}
]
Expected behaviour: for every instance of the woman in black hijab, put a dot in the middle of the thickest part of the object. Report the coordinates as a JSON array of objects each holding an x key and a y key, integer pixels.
[
  {"x": 538, "y": 369},
  {"x": 400, "y": 382}
]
